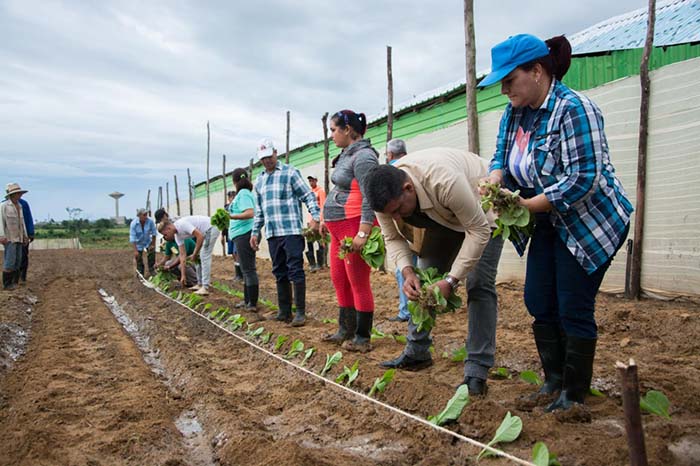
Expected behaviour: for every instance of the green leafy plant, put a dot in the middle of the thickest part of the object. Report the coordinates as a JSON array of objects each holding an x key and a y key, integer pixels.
[
  {"x": 281, "y": 339},
  {"x": 162, "y": 279},
  {"x": 597, "y": 393},
  {"x": 315, "y": 236},
  {"x": 542, "y": 457},
  {"x": 530, "y": 377},
  {"x": 373, "y": 252},
  {"x": 223, "y": 314},
  {"x": 307, "y": 355},
  {"x": 655, "y": 402},
  {"x": 235, "y": 322},
  {"x": 380, "y": 383},
  {"x": 221, "y": 219},
  {"x": 331, "y": 361},
  {"x": 512, "y": 217},
  {"x": 265, "y": 339},
  {"x": 502, "y": 373},
  {"x": 349, "y": 374},
  {"x": 330, "y": 321},
  {"x": 399, "y": 339},
  {"x": 376, "y": 334},
  {"x": 193, "y": 300},
  {"x": 255, "y": 333},
  {"x": 296, "y": 348},
  {"x": 431, "y": 301},
  {"x": 454, "y": 407},
  {"x": 206, "y": 307},
  {"x": 458, "y": 354},
  {"x": 508, "y": 431}
]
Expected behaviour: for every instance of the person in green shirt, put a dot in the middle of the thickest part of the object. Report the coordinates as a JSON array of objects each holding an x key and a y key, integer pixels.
[{"x": 171, "y": 261}]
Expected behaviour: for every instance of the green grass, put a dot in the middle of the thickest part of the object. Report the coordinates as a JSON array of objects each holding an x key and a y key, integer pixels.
[{"x": 99, "y": 238}]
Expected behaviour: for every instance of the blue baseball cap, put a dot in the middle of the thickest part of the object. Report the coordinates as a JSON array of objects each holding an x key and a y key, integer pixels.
[{"x": 511, "y": 53}]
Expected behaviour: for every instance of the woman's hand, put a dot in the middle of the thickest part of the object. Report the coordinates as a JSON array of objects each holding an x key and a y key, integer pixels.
[
  {"x": 495, "y": 177},
  {"x": 358, "y": 243}
]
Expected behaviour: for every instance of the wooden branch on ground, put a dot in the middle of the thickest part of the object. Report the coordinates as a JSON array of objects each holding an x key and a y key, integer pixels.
[{"x": 633, "y": 415}]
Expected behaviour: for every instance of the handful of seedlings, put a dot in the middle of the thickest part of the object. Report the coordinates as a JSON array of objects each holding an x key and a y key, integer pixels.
[
  {"x": 221, "y": 219},
  {"x": 431, "y": 301},
  {"x": 513, "y": 218},
  {"x": 373, "y": 251},
  {"x": 312, "y": 236}
]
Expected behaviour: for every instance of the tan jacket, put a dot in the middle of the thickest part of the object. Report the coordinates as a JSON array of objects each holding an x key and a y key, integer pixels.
[
  {"x": 446, "y": 182},
  {"x": 13, "y": 227}
]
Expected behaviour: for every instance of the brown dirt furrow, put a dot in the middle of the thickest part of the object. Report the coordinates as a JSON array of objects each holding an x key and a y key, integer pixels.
[{"x": 82, "y": 394}]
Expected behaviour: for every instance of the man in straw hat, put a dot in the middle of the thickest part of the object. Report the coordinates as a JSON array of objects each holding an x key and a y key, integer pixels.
[{"x": 14, "y": 237}]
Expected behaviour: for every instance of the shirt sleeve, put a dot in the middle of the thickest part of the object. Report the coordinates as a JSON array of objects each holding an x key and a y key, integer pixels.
[
  {"x": 132, "y": 232},
  {"x": 303, "y": 192},
  {"x": 499, "y": 157},
  {"x": 397, "y": 248},
  {"x": 363, "y": 164},
  {"x": 582, "y": 145},
  {"x": 259, "y": 213},
  {"x": 28, "y": 218}
]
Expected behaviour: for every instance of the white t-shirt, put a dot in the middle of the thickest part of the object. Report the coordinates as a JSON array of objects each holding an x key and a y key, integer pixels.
[{"x": 186, "y": 225}]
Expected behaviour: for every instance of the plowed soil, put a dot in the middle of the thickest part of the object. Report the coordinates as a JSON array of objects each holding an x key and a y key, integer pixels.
[{"x": 140, "y": 380}]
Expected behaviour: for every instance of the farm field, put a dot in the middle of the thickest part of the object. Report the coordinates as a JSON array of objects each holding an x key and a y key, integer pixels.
[{"x": 147, "y": 382}]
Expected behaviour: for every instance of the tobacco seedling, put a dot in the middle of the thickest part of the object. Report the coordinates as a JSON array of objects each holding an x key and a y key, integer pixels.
[
  {"x": 655, "y": 402},
  {"x": 296, "y": 348},
  {"x": 222, "y": 315},
  {"x": 454, "y": 407},
  {"x": 221, "y": 219},
  {"x": 508, "y": 431},
  {"x": 235, "y": 322},
  {"x": 542, "y": 457},
  {"x": 280, "y": 341},
  {"x": 597, "y": 393},
  {"x": 331, "y": 361},
  {"x": 349, "y": 374},
  {"x": 265, "y": 339},
  {"x": 376, "y": 334},
  {"x": 373, "y": 252},
  {"x": 207, "y": 307},
  {"x": 330, "y": 321},
  {"x": 502, "y": 373},
  {"x": 431, "y": 301},
  {"x": 458, "y": 354},
  {"x": 399, "y": 339},
  {"x": 257, "y": 332},
  {"x": 513, "y": 219},
  {"x": 381, "y": 383},
  {"x": 530, "y": 377},
  {"x": 307, "y": 355}
]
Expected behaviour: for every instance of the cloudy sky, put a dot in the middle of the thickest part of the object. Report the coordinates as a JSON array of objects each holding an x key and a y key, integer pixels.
[{"x": 115, "y": 95}]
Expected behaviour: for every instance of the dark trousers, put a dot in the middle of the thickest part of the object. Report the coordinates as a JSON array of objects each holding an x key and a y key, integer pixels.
[
  {"x": 246, "y": 258},
  {"x": 558, "y": 291},
  {"x": 151, "y": 255},
  {"x": 25, "y": 263},
  {"x": 287, "y": 254}
]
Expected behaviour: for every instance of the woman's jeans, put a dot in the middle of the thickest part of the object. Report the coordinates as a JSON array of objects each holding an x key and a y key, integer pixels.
[{"x": 246, "y": 258}]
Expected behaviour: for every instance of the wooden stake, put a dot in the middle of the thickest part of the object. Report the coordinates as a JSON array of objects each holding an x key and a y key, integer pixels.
[
  {"x": 224, "y": 172},
  {"x": 472, "y": 116},
  {"x": 633, "y": 416},
  {"x": 326, "y": 178},
  {"x": 390, "y": 96},
  {"x": 177, "y": 196},
  {"x": 208, "y": 197},
  {"x": 167, "y": 195},
  {"x": 250, "y": 169},
  {"x": 286, "y": 157},
  {"x": 159, "y": 204},
  {"x": 636, "y": 276},
  {"x": 189, "y": 190},
  {"x": 148, "y": 201}
]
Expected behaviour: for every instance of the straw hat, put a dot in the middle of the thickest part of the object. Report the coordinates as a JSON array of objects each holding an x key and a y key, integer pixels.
[{"x": 13, "y": 188}]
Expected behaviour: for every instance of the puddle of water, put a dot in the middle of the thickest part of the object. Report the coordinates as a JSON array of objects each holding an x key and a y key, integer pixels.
[
  {"x": 15, "y": 337},
  {"x": 188, "y": 424},
  {"x": 200, "y": 450}
]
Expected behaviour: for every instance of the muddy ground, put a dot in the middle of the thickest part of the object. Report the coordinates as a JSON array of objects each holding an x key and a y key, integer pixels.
[{"x": 129, "y": 377}]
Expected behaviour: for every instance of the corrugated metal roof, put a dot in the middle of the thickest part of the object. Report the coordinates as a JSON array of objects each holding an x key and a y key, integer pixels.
[{"x": 677, "y": 22}]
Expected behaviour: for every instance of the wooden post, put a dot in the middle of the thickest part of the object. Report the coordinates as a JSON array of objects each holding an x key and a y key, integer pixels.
[
  {"x": 326, "y": 178},
  {"x": 250, "y": 169},
  {"x": 148, "y": 201},
  {"x": 636, "y": 276},
  {"x": 177, "y": 196},
  {"x": 633, "y": 416},
  {"x": 224, "y": 172},
  {"x": 208, "y": 197},
  {"x": 189, "y": 190},
  {"x": 472, "y": 116},
  {"x": 390, "y": 97},
  {"x": 286, "y": 157},
  {"x": 159, "y": 204},
  {"x": 167, "y": 195}
]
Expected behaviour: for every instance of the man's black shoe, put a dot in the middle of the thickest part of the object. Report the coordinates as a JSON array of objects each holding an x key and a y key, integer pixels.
[
  {"x": 397, "y": 319},
  {"x": 407, "y": 363},
  {"x": 476, "y": 386}
]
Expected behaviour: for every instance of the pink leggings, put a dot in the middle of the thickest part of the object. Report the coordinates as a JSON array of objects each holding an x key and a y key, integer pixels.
[{"x": 350, "y": 276}]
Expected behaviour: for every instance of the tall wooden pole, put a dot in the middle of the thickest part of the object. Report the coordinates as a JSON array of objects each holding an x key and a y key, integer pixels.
[
  {"x": 470, "y": 49},
  {"x": 208, "y": 197},
  {"x": 633, "y": 416},
  {"x": 250, "y": 169},
  {"x": 286, "y": 157},
  {"x": 390, "y": 97},
  {"x": 148, "y": 201},
  {"x": 636, "y": 272},
  {"x": 167, "y": 195},
  {"x": 159, "y": 204},
  {"x": 224, "y": 172},
  {"x": 189, "y": 191},
  {"x": 326, "y": 170},
  {"x": 177, "y": 196}
]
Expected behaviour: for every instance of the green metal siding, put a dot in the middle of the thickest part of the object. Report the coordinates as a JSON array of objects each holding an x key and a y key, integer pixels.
[{"x": 586, "y": 72}]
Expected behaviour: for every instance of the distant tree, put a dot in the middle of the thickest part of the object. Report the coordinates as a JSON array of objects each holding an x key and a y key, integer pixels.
[{"x": 103, "y": 223}]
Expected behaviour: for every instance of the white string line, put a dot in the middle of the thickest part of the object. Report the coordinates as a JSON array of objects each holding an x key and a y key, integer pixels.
[{"x": 332, "y": 383}]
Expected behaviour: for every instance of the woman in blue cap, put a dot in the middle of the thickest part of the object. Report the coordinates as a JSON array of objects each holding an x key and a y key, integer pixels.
[{"x": 552, "y": 147}]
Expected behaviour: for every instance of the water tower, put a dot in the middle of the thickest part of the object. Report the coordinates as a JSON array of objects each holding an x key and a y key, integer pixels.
[{"x": 117, "y": 219}]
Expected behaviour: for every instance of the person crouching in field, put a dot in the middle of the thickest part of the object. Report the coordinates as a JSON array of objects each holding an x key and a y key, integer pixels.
[
  {"x": 205, "y": 234},
  {"x": 347, "y": 213},
  {"x": 14, "y": 235},
  {"x": 436, "y": 189},
  {"x": 171, "y": 261},
  {"x": 142, "y": 236}
]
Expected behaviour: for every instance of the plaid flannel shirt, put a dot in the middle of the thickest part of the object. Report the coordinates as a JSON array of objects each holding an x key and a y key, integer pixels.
[
  {"x": 571, "y": 166},
  {"x": 279, "y": 196}
]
